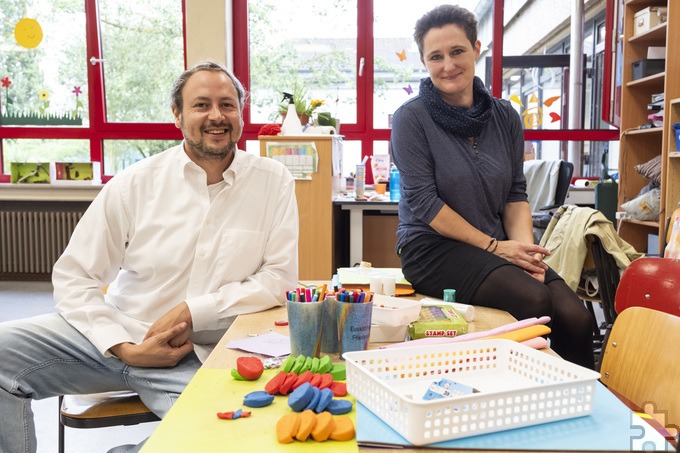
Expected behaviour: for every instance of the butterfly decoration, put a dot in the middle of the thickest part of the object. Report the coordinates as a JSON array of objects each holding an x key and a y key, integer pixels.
[
  {"x": 408, "y": 90},
  {"x": 401, "y": 55},
  {"x": 555, "y": 117},
  {"x": 515, "y": 98}
]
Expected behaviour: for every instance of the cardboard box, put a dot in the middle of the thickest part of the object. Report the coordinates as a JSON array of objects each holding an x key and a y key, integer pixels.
[
  {"x": 440, "y": 320},
  {"x": 656, "y": 52},
  {"x": 649, "y": 18}
]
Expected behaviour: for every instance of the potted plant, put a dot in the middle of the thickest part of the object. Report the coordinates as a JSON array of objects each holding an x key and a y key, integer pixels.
[{"x": 304, "y": 108}]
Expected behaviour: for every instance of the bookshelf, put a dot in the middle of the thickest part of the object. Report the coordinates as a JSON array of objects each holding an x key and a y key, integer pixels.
[{"x": 640, "y": 145}]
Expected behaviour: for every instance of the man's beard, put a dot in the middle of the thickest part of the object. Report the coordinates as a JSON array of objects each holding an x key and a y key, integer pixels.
[{"x": 203, "y": 151}]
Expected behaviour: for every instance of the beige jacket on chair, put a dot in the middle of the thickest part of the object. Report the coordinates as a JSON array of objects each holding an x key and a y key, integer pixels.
[{"x": 566, "y": 238}]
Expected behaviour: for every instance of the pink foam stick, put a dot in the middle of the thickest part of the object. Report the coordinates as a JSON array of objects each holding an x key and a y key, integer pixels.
[{"x": 472, "y": 336}]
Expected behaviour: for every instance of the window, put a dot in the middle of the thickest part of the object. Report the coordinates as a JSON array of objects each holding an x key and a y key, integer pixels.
[
  {"x": 360, "y": 58},
  {"x": 88, "y": 80}
]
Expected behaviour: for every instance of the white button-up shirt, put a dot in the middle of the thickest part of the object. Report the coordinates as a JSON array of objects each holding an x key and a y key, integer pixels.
[{"x": 154, "y": 235}]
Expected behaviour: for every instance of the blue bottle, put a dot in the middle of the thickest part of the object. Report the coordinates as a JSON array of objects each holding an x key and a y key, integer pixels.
[{"x": 395, "y": 195}]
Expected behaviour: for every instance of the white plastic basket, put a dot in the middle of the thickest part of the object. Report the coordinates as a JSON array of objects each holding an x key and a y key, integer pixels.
[{"x": 518, "y": 386}]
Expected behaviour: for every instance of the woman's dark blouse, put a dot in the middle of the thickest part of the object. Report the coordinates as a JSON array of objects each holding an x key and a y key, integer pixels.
[{"x": 438, "y": 167}]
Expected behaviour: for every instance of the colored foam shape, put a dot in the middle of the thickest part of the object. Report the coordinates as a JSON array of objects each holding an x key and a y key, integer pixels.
[
  {"x": 287, "y": 427},
  {"x": 299, "y": 397},
  {"x": 302, "y": 378},
  {"x": 323, "y": 427},
  {"x": 343, "y": 429},
  {"x": 326, "y": 381},
  {"x": 325, "y": 398},
  {"x": 325, "y": 364},
  {"x": 339, "y": 407},
  {"x": 288, "y": 363},
  {"x": 339, "y": 388},
  {"x": 259, "y": 398},
  {"x": 316, "y": 380},
  {"x": 272, "y": 387},
  {"x": 315, "y": 365},
  {"x": 287, "y": 383},
  {"x": 339, "y": 372},
  {"x": 307, "y": 422},
  {"x": 315, "y": 399}
]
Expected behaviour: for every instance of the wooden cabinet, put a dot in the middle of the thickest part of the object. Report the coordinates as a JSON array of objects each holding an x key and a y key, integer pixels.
[
  {"x": 315, "y": 205},
  {"x": 640, "y": 145}
]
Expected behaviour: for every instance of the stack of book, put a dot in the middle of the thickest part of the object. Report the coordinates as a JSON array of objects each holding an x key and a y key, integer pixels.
[{"x": 655, "y": 110}]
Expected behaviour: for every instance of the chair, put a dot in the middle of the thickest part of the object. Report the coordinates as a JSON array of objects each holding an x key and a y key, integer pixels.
[
  {"x": 641, "y": 362},
  {"x": 652, "y": 283},
  {"x": 542, "y": 218},
  {"x": 100, "y": 410}
]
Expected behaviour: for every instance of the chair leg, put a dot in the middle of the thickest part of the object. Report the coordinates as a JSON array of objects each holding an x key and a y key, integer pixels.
[{"x": 61, "y": 427}]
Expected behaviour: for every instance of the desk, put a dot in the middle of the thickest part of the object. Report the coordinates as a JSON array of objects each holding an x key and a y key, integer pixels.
[
  {"x": 191, "y": 424},
  {"x": 356, "y": 218}
]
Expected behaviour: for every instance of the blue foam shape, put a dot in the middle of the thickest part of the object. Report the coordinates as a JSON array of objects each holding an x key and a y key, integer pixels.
[
  {"x": 324, "y": 399},
  {"x": 299, "y": 398},
  {"x": 339, "y": 407}
]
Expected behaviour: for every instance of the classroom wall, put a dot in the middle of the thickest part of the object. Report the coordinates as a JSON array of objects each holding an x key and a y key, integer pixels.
[{"x": 208, "y": 31}]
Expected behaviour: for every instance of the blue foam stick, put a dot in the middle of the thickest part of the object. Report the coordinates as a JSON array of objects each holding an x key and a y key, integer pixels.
[
  {"x": 338, "y": 406},
  {"x": 315, "y": 399},
  {"x": 299, "y": 398},
  {"x": 237, "y": 414},
  {"x": 324, "y": 399},
  {"x": 259, "y": 398}
]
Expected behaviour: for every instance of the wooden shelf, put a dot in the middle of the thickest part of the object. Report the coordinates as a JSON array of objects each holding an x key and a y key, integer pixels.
[
  {"x": 638, "y": 146},
  {"x": 654, "y": 35}
]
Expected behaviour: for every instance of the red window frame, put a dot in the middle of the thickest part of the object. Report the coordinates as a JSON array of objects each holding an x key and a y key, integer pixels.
[{"x": 99, "y": 129}]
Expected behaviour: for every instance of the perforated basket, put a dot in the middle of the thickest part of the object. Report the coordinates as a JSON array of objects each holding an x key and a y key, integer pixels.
[{"x": 518, "y": 386}]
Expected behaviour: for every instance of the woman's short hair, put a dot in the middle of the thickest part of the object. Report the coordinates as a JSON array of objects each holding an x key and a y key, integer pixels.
[
  {"x": 208, "y": 65},
  {"x": 444, "y": 15}
]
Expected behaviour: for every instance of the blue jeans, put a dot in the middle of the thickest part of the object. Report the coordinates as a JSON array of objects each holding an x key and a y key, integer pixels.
[{"x": 45, "y": 356}]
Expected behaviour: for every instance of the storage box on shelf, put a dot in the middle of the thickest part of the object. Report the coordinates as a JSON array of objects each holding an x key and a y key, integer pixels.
[{"x": 644, "y": 27}]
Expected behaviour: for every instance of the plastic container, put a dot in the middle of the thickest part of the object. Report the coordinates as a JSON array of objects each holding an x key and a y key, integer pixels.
[
  {"x": 517, "y": 386},
  {"x": 395, "y": 194},
  {"x": 291, "y": 123},
  {"x": 360, "y": 182},
  {"x": 676, "y": 130},
  {"x": 392, "y": 311}
]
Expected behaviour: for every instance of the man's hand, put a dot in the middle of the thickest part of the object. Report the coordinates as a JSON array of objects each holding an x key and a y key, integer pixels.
[
  {"x": 155, "y": 351},
  {"x": 180, "y": 313}
]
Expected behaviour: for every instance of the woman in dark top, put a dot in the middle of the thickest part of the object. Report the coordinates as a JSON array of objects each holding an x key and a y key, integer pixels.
[{"x": 464, "y": 219}]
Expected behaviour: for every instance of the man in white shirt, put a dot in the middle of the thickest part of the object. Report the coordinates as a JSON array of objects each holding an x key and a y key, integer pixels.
[{"x": 185, "y": 240}]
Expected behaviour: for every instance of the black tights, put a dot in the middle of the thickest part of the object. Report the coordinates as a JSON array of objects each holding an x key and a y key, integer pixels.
[{"x": 511, "y": 289}]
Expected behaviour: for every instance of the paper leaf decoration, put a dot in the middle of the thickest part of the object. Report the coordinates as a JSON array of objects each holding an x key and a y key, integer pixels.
[
  {"x": 401, "y": 55},
  {"x": 514, "y": 98},
  {"x": 548, "y": 102},
  {"x": 555, "y": 117}
]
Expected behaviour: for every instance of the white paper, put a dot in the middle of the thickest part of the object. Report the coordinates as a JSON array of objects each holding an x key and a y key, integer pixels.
[{"x": 270, "y": 344}]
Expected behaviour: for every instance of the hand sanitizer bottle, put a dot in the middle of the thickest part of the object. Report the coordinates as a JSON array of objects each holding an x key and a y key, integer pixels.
[{"x": 291, "y": 123}]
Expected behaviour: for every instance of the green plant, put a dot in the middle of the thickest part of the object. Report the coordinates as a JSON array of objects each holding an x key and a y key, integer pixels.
[{"x": 302, "y": 105}]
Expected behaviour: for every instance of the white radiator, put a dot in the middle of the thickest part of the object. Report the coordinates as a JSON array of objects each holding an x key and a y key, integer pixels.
[{"x": 31, "y": 242}]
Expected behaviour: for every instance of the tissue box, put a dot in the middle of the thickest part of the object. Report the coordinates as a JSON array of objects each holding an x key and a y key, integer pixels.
[{"x": 440, "y": 320}]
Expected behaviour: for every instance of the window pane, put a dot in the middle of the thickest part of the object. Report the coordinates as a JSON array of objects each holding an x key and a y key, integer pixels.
[
  {"x": 398, "y": 69},
  {"x": 33, "y": 150},
  {"x": 43, "y": 63},
  {"x": 118, "y": 154},
  {"x": 142, "y": 45},
  {"x": 303, "y": 44}
]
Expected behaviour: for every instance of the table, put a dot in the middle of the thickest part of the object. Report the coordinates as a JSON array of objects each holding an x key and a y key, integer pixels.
[
  {"x": 356, "y": 228},
  {"x": 191, "y": 424}
]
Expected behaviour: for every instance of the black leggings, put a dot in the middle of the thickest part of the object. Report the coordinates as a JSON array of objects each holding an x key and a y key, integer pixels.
[{"x": 433, "y": 263}]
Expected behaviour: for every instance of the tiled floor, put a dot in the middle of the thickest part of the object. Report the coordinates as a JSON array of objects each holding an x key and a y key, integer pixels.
[{"x": 23, "y": 299}]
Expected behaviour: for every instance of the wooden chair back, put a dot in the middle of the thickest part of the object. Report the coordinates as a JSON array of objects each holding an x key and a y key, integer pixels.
[
  {"x": 652, "y": 283},
  {"x": 641, "y": 362}
]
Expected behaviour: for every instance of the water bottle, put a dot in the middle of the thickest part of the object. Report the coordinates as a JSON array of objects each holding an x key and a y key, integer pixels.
[{"x": 395, "y": 195}]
